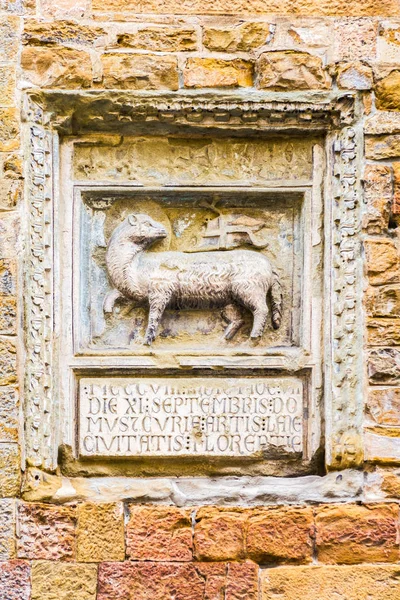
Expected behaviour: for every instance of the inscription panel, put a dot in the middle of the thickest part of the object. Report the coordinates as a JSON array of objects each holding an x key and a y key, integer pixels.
[{"x": 211, "y": 416}]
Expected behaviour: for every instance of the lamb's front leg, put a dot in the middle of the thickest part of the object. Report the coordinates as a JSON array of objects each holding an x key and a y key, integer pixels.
[
  {"x": 157, "y": 307},
  {"x": 110, "y": 299}
]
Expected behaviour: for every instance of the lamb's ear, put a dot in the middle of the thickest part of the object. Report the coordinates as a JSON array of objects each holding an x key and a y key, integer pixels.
[{"x": 132, "y": 219}]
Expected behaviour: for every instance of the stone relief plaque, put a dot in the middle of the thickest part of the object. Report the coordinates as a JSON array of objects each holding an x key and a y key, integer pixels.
[{"x": 182, "y": 416}]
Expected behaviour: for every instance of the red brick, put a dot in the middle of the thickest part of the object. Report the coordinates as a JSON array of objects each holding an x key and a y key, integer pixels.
[
  {"x": 46, "y": 532},
  {"x": 15, "y": 580},
  {"x": 280, "y": 535},
  {"x": 219, "y": 534},
  {"x": 350, "y": 534},
  {"x": 159, "y": 533}
]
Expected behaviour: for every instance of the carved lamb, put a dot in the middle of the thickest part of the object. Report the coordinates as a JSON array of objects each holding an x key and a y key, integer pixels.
[{"x": 217, "y": 279}]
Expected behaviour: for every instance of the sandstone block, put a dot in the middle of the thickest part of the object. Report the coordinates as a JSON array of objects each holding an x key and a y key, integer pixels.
[
  {"x": 382, "y": 122},
  {"x": 383, "y": 332},
  {"x": 363, "y": 582},
  {"x": 7, "y": 86},
  {"x": 355, "y": 39},
  {"x": 219, "y": 534},
  {"x": 382, "y": 261},
  {"x": 216, "y": 72},
  {"x": 65, "y": 9},
  {"x": 100, "y": 534},
  {"x": 9, "y": 38},
  {"x": 384, "y": 366},
  {"x": 159, "y": 533},
  {"x": 15, "y": 580},
  {"x": 56, "y": 67},
  {"x": 383, "y": 301},
  {"x": 382, "y": 147},
  {"x": 45, "y": 532},
  {"x": 9, "y": 129},
  {"x": 380, "y": 447},
  {"x": 242, "y": 581},
  {"x": 8, "y": 362},
  {"x": 10, "y": 470},
  {"x": 387, "y": 92},
  {"x": 280, "y": 535},
  {"x": 155, "y": 581},
  {"x": 351, "y": 534},
  {"x": 7, "y": 277},
  {"x": 40, "y": 486},
  {"x": 61, "y": 581},
  {"x": 161, "y": 39},
  {"x": 390, "y": 483},
  {"x": 8, "y": 315},
  {"x": 383, "y": 406},
  {"x": 8, "y": 415},
  {"x": 280, "y": 70},
  {"x": 388, "y": 42},
  {"x": 140, "y": 72},
  {"x": 9, "y": 235},
  {"x": 39, "y": 33},
  {"x": 378, "y": 192},
  {"x": 396, "y": 197},
  {"x": 242, "y": 38},
  {"x": 311, "y": 8},
  {"x": 309, "y": 34},
  {"x": 7, "y": 529},
  {"x": 354, "y": 76},
  {"x": 12, "y": 165},
  {"x": 10, "y": 193}
]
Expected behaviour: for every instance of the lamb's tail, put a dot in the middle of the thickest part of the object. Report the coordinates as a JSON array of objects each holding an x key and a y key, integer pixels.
[{"x": 276, "y": 300}]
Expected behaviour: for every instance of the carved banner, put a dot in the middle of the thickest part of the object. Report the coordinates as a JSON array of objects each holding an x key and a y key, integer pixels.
[{"x": 191, "y": 416}]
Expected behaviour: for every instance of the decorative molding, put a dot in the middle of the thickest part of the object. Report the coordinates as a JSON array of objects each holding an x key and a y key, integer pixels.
[
  {"x": 39, "y": 401},
  {"x": 344, "y": 423}
]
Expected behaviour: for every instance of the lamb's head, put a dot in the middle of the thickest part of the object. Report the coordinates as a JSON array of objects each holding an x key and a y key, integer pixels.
[{"x": 140, "y": 229}]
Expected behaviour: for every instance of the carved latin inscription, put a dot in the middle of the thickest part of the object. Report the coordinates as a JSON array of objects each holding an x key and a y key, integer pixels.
[
  {"x": 188, "y": 416},
  {"x": 229, "y": 280}
]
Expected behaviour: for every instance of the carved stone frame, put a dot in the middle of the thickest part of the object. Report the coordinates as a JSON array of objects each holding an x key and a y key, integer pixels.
[{"x": 49, "y": 115}]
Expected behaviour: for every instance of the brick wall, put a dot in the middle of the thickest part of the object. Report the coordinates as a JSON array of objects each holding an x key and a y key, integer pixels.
[{"x": 117, "y": 551}]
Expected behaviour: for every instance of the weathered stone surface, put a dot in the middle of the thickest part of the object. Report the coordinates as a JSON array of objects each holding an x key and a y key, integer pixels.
[
  {"x": 383, "y": 332},
  {"x": 65, "y": 9},
  {"x": 160, "y": 39},
  {"x": 390, "y": 482},
  {"x": 7, "y": 277},
  {"x": 56, "y": 67},
  {"x": 8, "y": 315},
  {"x": 242, "y": 582},
  {"x": 9, "y": 35},
  {"x": 291, "y": 70},
  {"x": 378, "y": 192},
  {"x": 382, "y": 147},
  {"x": 351, "y": 534},
  {"x": 7, "y": 85},
  {"x": 62, "y": 32},
  {"x": 384, "y": 366},
  {"x": 389, "y": 42},
  {"x": 309, "y": 33},
  {"x": 387, "y": 92},
  {"x": 10, "y": 193},
  {"x": 220, "y": 534},
  {"x": 10, "y": 470},
  {"x": 383, "y": 301},
  {"x": 8, "y": 415},
  {"x": 216, "y": 72},
  {"x": 45, "y": 531},
  {"x": 381, "y": 122},
  {"x": 8, "y": 363},
  {"x": 354, "y": 76},
  {"x": 9, "y": 235},
  {"x": 140, "y": 72},
  {"x": 7, "y": 530},
  {"x": 355, "y": 39},
  {"x": 242, "y": 38},
  {"x": 18, "y": 7},
  {"x": 381, "y": 448},
  {"x": 15, "y": 580},
  {"x": 60, "y": 581},
  {"x": 383, "y": 261},
  {"x": 312, "y": 8},
  {"x": 395, "y": 209},
  {"x": 100, "y": 534},
  {"x": 159, "y": 533},
  {"x": 158, "y": 581},
  {"x": 383, "y": 406},
  {"x": 363, "y": 582},
  {"x": 9, "y": 129},
  {"x": 280, "y": 535}
]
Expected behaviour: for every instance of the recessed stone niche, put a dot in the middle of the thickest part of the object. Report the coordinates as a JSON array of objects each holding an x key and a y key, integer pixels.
[{"x": 198, "y": 296}]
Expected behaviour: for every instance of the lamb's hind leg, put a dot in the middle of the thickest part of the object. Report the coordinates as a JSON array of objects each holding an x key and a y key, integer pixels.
[
  {"x": 157, "y": 307},
  {"x": 110, "y": 299},
  {"x": 260, "y": 316},
  {"x": 232, "y": 315}
]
